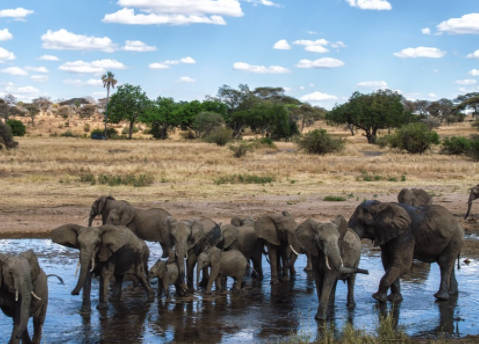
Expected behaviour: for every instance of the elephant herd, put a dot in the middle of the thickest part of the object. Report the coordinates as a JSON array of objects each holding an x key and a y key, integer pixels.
[{"x": 413, "y": 228}]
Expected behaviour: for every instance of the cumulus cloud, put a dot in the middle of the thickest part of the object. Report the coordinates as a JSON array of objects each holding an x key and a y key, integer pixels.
[
  {"x": 166, "y": 64},
  {"x": 6, "y": 55},
  {"x": 373, "y": 84},
  {"x": 64, "y": 40},
  {"x": 325, "y": 62},
  {"x": 95, "y": 67},
  {"x": 77, "y": 82},
  {"x": 432, "y": 95},
  {"x": 18, "y": 13},
  {"x": 13, "y": 71},
  {"x": 467, "y": 24},
  {"x": 259, "y": 69},
  {"x": 39, "y": 78},
  {"x": 318, "y": 45},
  {"x": 138, "y": 46},
  {"x": 420, "y": 52},
  {"x": 316, "y": 49},
  {"x": 22, "y": 90},
  {"x": 179, "y": 12},
  {"x": 474, "y": 55},
  {"x": 426, "y": 31},
  {"x": 465, "y": 82},
  {"x": 186, "y": 79},
  {"x": 474, "y": 72},
  {"x": 379, "y": 5},
  {"x": 263, "y": 2},
  {"x": 282, "y": 45},
  {"x": 48, "y": 58},
  {"x": 5, "y": 35},
  {"x": 37, "y": 69},
  {"x": 317, "y": 97},
  {"x": 157, "y": 65}
]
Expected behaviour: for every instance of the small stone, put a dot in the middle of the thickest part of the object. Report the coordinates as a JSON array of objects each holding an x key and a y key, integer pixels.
[{"x": 467, "y": 261}]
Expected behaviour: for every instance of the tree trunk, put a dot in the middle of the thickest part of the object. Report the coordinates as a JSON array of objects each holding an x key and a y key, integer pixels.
[
  {"x": 130, "y": 133},
  {"x": 106, "y": 106}
]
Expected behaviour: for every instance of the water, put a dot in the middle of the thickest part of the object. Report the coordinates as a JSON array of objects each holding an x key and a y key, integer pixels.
[{"x": 260, "y": 314}]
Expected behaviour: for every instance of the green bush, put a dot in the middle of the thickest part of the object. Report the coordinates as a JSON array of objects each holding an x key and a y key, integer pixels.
[
  {"x": 320, "y": 142},
  {"x": 414, "y": 138},
  {"x": 126, "y": 130},
  {"x": 206, "y": 122},
  {"x": 115, "y": 180},
  {"x": 109, "y": 131},
  {"x": 382, "y": 141},
  {"x": 334, "y": 199},
  {"x": 18, "y": 128},
  {"x": 455, "y": 145},
  {"x": 6, "y": 137},
  {"x": 241, "y": 149},
  {"x": 220, "y": 136},
  {"x": 474, "y": 150},
  {"x": 244, "y": 179}
]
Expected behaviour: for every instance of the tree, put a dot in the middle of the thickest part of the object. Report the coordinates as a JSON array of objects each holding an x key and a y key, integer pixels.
[
  {"x": 87, "y": 110},
  {"x": 75, "y": 104},
  {"x": 307, "y": 114},
  {"x": 162, "y": 116},
  {"x": 32, "y": 111},
  {"x": 469, "y": 101},
  {"x": 8, "y": 107},
  {"x": 43, "y": 103},
  {"x": 441, "y": 109},
  {"x": 108, "y": 80},
  {"x": 128, "y": 103},
  {"x": 205, "y": 122},
  {"x": 421, "y": 107}
]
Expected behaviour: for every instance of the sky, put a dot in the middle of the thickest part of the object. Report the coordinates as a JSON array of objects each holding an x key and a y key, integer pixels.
[{"x": 319, "y": 51}]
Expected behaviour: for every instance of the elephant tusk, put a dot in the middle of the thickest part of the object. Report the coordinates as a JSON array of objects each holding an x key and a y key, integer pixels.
[
  {"x": 78, "y": 268},
  {"x": 36, "y": 296},
  {"x": 341, "y": 259},
  {"x": 16, "y": 295},
  {"x": 296, "y": 253},
  {"x": 327, "y": 262},
  {"x": 92, "y": 264}
]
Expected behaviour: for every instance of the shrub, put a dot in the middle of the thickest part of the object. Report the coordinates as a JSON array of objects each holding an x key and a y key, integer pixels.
[
  {"x": 431, "y": 122},
  {"x": 382, "y": 141},
  {"x": 188, "y": 135},
  {"x": 264, "y": 142},
  {"x": 244, "y": 179},
  {"x": 220, "y": 136},
  {"x": 241, "y": 149},
  {"x": 455, "y": 145},
  {"x": 100, "y": 133},
  {"x": 334, "y": 199},
  {"x": 206, "y": 122},
  {"x": 414, "y": 138},
  {"x": 68, "y": 133},
  {"x": 6, "y": 137},
  {"x": 115, "y": 180},
  {"x": 86, "y": 128},
  {"x": 320, "y": 142},
  {"x": 18, "y": 128},
  {"x": 474, "y": 150},
  {"x": 126, "y": 130}
]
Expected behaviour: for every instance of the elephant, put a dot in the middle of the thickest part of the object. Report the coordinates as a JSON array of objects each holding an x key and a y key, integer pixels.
[
  {"x": 414, "y": 197},
  {"x": 23, "y": 294},
  {"x": 230, "y": 263},
  {"x": 167, "y": 275},
  {"x": 429, "y": 233},
  {"x": 278, "y": 233},
  {"x": 102, "y": 206},
  {"x": 331, "y": 242},
  {"x": 105, "y": 251},
  {"x": 147, "y": 224},
  {"x": 473, "y": 195}
]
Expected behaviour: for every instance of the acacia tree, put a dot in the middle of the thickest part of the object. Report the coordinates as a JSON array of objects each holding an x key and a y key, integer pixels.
[
  {"x": 108, "y": 80},
  {"x": 32, "y": 110},
  {"x": 162, "y": 116},
  {"x": 43, "y": 103},
  {"x": 469, "y": 101}
]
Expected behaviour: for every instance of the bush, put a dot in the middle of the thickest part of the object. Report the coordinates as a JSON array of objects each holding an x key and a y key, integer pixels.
[
  {"x": 455, "y": 145},
  {"x": 86, "y": 128},
  {"x": 474, "y": 150},
  {"x": 414, "y": 138},
  {"x": 220, "y": 136},
  {"x": 18, "y": 128},
  {"x": 320, "y": 142},
  {"x": 188, "y": 135},
  {"x": 206, "y": 122},
  {"x": 431, "y": 122},
  {"x": 241, "y": 149},
  {"x": 334, "y": 199},
  {"x": 244, "y": 179},
  {"x": 100, "y": 133},
  {"x": 382, "y": 141},
  {"x": 264, "y": 142},
  {"x": 126, "y": 130},
  {"x": 115, "y": 180},
  {"x": 68, "y": 133}
]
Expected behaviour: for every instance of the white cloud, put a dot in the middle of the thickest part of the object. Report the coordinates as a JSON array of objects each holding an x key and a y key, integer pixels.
[
  {"x": 95, "y": 67},
  {"x": 373, "y": 84},
  {"x": 432, "y": 95},
  {"x": 474, "y": 55},
  {"x": 420, "y": 52},
  {"x": 99, "y": 95},
  {"x": 138, "y": 46},
  {"x": 157, "y": 65},
  {"x": 77, "y": 82},
  {"x": 468, "y": 23},
  {"x": 426, "y": 31},
  {"x": 312, "y": 33},
  {"x": 188, "y": 60},
  {"x": 70, "y": 82},
  {"x": 338, "y": 44},
  {"x": 263, "y": 2},
  {"x": 311, "y": 85},
  {"x": 378, "y": 5},
  {"x": 465, "y": 82},
  {"x": 282, "y": 45},
  {"x": 18, "y": 13},
  {"x": 5, "y": 35},
  {"x": 13, "y": 71},
  {"x": 325, "y": 62},
  {"x": 166, "y": 64},
  {"x": 39, "y": 78},
  {"x": 302, "y": 88},
  {"x": 316, "y": 49},
  {"x": 474, "y": 72},
  {"x": 48, "y": 58},
  {"x": 22, "y": 90},
  {"x": 6, "y": 55},
  {"x": 259, "y": 69},
  {"x": 94, "y": 82},
  {"x": 318, "y": 46},
  {"x": 308, "y": 42},
  {"x": 64, "y": 40},
  {"x": 37, "y": 69},
  {"x": 186, "y": 79},
  {"x": 317, "y": 97}
]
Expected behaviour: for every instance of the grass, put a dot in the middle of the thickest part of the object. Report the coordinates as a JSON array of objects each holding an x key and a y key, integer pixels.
[
  {"x": 116, "y": 180},
  {"x": 244, "y": 179},
  {"x": 334, "y": 199}
]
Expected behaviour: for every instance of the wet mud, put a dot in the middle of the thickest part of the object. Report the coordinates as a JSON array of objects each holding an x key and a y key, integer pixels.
[{"x": 261, "y": 313}]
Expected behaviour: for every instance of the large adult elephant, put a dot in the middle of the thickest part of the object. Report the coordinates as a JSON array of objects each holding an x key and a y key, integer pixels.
[
  {"x": 102, "y": 206},
  {"x": 105, "y": 251},
  {"x": 278, "y": 232},
  {"x": 147, "y": 224},
  {"x": 429, "y": 233},
  {"x": 414, "y": 197},
  {"x": 331, "y": 242},
  {"x": 473, "y": 195}
]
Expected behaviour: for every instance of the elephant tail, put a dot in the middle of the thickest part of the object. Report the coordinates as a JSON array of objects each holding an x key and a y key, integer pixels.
[
  {"x": 458, "y": 258},
  {"x": 59, "y": 278}
]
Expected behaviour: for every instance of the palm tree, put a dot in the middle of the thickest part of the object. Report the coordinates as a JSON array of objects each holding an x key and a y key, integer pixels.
[{"x": 108, "y": 80}]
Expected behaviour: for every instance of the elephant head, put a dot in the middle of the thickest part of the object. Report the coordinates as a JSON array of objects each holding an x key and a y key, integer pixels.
[
  {"x": 325, "y": 238},
  {"x": 97, "y": 208},
  {"x": 210, "y": 257},
  {"x": 242, "y": 220},
  {"x": 94, "y": 243},
  {"x": 158, "y": 270},
  {"x": 473, "y": 195},
  {"x": 379, "y": 222},
  {"x": 121, "y": 216},
  {"x": 17, "y": 274},
  {"x": 229, "y": 234},
  {"x": 414, "y": 197}
]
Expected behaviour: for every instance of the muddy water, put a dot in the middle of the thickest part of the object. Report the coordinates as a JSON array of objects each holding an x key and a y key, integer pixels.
[{"x": 261, "y": 314}]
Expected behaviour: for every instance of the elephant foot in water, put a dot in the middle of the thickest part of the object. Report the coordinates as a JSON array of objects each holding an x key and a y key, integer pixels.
[
  {"x": 442, "y": 296},
  {"x": 380, "y": 297},
  {"x": 85, "y": 308},
  {"x": 395, "y": 297},
  {"x": 102, "y": 305}
]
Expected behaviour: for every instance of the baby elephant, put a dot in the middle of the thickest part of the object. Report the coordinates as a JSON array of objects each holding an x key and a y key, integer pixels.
[
  {"x": 231, "y": 263},
  {"x": 167, "y": 275}
]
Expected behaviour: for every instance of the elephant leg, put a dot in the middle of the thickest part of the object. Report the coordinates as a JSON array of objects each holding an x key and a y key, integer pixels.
[
  {"x": 328, "y": 284},
  {"x": 395, "y": 295},
  {"x": 258, "y": 266},
  {"x": 224, "y": 282},
  {"x": 332, "y": 296},
  {"x": 166, "y": 288},
  {"x": 26, "y": 338},
  {"x": 309, "y": 264},
  {"x": 105, "y": 277},
  {"x": 273, "y": 259},
  {"x": 396, "y": 267},
  {"x": 446, "y": 265},
  {"x": 454, "y": 290},
  {"x": 351, "y": 281},
  {"x": 165, "y": 251},
  {"x": 38, "y": 325},
  {"x": 86, "y": 294},
  {"x": 116, "y": 295},
  {"x": 318, "y": 281},
  {"x": 140, "y": 274},
  {"x": 285, "y": 267},
  {"x": 204, "y": 279},
  {"x": 292, "y": 260},
  {"x": 190, "y": 267},
  {"x": 215, "y": 271},
  {"x": 239, "y": 281}
]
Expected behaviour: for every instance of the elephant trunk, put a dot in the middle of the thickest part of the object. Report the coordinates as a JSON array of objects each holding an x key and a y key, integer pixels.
[
  {"x": 198, "y": 270},
  {"x": 90, "y": 219},
  {"x": 180, "y": 258},
  {"x": 85, "y": 259},
  {"x": 25, "y": 288},
  {"x": 333, "y": 254},
  {"x": 469, "y": 204}
]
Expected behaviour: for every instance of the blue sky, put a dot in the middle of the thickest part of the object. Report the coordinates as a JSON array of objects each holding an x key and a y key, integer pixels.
[{"x": 320, "y": 51}]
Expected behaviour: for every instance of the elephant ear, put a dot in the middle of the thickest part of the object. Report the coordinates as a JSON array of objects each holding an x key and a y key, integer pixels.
[
  {"x": 112, "y": 239},
  {"x": 32, "y": 259},
  {"x": 197, "y": 234},
  {"x": 391, "y": 221},
  {"x": 126, "y": 215},
  {"x": 401, "y": 195},
  {"x": 215, "y": 256},
  {"x": 266, "y": 229},
  {"x": 100, "y": 203},
  {"x": 66, "y": 235},
  {"x": 237, "y": 221},
  {"x": 230, "y": 235},
  {"x": 305, "y": 237},
  {"x": 342, "y": 224}
]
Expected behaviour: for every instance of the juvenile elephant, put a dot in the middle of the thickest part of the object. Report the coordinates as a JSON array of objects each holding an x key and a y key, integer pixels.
[
  {"x": 414, "y": 197},
  {"x": 147, "y": 224},
  {"x": 105, "y": 251},
  {"x": 102, "y": 206},
  {"x": 473, "y": 195},
  {"x": 23, "y": 294},
  {"x": 230, "y": 263},
  {"x": 429, "y": 233},
  {"x": 331, "y": 242},
  {"x": 278, "y": 233},
  {"x": 167, "y": 275}
]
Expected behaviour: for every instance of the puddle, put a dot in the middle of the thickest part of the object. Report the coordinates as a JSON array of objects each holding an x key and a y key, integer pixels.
[{"x": 261, "y": 314}]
